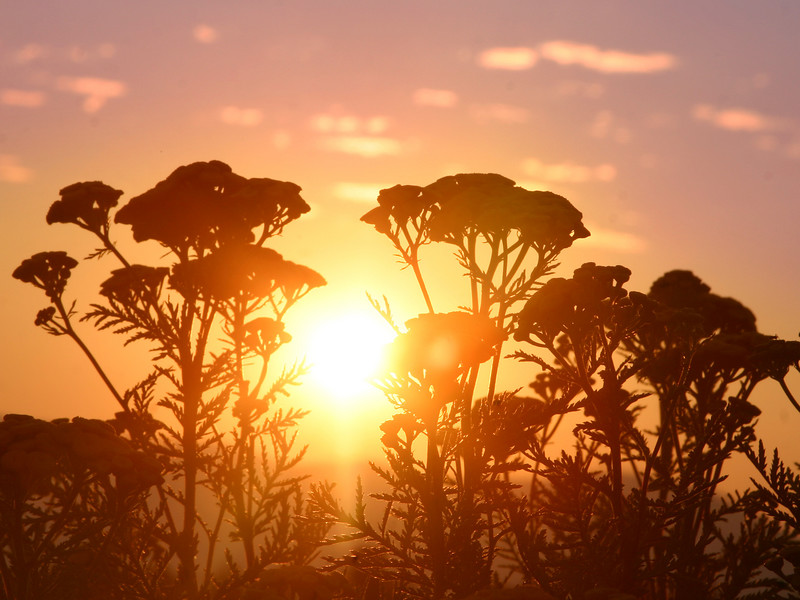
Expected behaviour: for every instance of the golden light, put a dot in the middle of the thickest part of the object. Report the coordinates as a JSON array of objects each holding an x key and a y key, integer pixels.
[{"x": 344, "y": 351}]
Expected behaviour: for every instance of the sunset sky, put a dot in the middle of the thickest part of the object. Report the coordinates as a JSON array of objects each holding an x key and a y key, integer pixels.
[{"x": 673, "y": 126}]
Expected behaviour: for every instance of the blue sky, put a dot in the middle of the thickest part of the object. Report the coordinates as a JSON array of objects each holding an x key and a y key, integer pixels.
[{"x": 673, "y": 126}]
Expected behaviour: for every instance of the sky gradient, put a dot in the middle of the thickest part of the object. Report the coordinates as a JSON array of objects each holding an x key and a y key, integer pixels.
[{"x": 674, "y": 128}]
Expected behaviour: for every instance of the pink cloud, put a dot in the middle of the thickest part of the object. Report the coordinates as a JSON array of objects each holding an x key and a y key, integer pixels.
[
  {"x": 734, "y": 119},
  {"x": 437, "y": 98},
  {"x": 13, "y": 172},
  {"x": 246, "y": 117},
  {"x": 97, "y": 90},
  {"x": 205, "y": 34},
  {"x": 610, "y": 239},
  {"x": 568, "y": 172},
  {"x": 24, "y": 98},
  {"x": 365, "y": 146},
  {"x": 512, "y": 59},
  {"x": 281, "y": 139},
  {"x": 500, "y": 112},
  {"x": 337, "y": 122},
  {"x": 29, "y": 53},
  {"x": 358, "y": 192},
  {"x": 81, "y": 54},
  {"x": 606, "y": 61}
]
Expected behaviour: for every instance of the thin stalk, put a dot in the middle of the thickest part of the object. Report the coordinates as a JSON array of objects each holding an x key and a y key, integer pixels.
[
  {"x": 244, "y": 519},
  {"x": 70, "y": 331},
  {"x": 411, "y": 256},
  {"x": 789, "y": 395},
  {"x": 435, "y": 491},
  {"x": 104, "y": 237}
]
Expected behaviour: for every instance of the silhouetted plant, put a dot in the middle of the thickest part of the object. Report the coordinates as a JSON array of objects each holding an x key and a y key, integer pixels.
[
  {"x": 628, "y": 512},
  {"x": 478, "y": 501},
  {"x": 448, "y": 483},
  {"x": 224, "y": 444},
  {"x": 656, "y": 530},
  {"x": 73, "y": 520}
]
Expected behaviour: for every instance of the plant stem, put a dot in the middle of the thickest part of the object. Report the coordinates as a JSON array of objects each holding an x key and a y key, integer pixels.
[
  {"x": 789, "y": 395},
  {"x": 70, "y": 331}
]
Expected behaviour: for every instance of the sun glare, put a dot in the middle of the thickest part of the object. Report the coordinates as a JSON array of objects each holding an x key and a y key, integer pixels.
[{"x": 345, "y": 351}]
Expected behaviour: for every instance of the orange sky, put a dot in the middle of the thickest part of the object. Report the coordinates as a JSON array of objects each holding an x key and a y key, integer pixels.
[{"x": 674, "y": 128}]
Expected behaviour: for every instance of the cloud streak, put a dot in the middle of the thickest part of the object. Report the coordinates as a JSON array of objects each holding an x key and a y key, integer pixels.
[
  {"x": 509, "y": 59},
  {"x": 245, "y": 117},
  {"x": 568, "y": 53},
  {"x": 436, "y": 98},
  {"x": 591, "y": 57},
  {"x": 13, "y": 172},
  {"x": 358, "y": 192},
  {"x": 611, "y": 239},
  {"x": 23, "y": 98},
  {"x": 205, "y": 34},
  {"x": 335, "y": 122},
  {"x": 96, "y": 90},
  {"x": 735, "y": 119},
  {"x": 364, "y": 146},
  {"x": 569, "y": 172},
  {"x": 352, "y": 134},
  {"x": 505, "y": 113}
]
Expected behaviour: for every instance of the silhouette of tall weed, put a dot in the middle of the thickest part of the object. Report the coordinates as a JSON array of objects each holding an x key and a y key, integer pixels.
[
  {"x": 223, "y": 440},
  {"x": 478, "y": 501}
]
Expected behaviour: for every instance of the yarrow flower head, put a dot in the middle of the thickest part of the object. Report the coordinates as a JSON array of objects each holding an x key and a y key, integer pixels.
[
  {"x": 428, "y": 359},
  {"x": 264, "y": 335},
  {"x": 133, "y": 282},
  {"x": 85, "y": 204},
  {"x": 572, "y": 305},
  {"x": 254, "y": 271},
  {"x": 452, "y": 207},
  {"x": 48, "y": 271},
  {"x": 32, "y": 451},
  {"x": 687, "y": 295},
  {"x": 44, "y": 316},
  {"x": 443, "y": 344},
  {"x": 495, "y": 205},
  {"x": 400, "y": 204},
  {"x": 205, "y": 204}
]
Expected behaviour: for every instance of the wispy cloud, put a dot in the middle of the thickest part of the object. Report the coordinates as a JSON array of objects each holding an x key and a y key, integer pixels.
[
  {"x": 606, "y": 61},
  {"x": 510, "y": 59},
  {"x": 344, "y": 132},
  {"x": 568, "y": 172},
  {"x": 566, "y": 53},
  {"x": 11, "y": 171},
  {"x": 358, "y": 192},
  {"x": 246, "y": 117},
  {"x": 205, "y": 34},
  {"x": 29, "y": 53},
  {"x": 364, "y": 146},
  {"x": 337, "y": 122},
  {"x": 606, "y": 126},
  {"x": 735, "y": 119},
  {"x": 82, "y": 54},
  {"x": 97, "y": 90},
  {"x": 281, "y": 139},
  {"x": 437, "y": 98},
  {"x": 76, "y": 53},
  {"x": 611, "y": 239},
  {"x": 499, "y": 112},
  {"x": 24, "y": 98}
]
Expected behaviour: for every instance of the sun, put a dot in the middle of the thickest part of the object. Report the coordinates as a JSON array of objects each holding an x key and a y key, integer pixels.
[{"x": 344, "y": 351}]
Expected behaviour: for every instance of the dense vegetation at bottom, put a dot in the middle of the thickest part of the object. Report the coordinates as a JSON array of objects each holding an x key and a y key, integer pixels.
[{"x": 195, "y": 488}]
